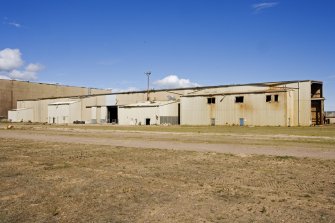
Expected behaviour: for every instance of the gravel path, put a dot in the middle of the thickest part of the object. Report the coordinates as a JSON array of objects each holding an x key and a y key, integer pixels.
[{"x": 238, "y": 149}]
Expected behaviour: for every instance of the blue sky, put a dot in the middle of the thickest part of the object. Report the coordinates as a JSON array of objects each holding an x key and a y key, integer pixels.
[{"x": 110, "y": 44}]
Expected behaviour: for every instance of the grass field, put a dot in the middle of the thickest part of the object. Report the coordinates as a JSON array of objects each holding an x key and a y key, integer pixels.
[{"x": 45, "y": 181}]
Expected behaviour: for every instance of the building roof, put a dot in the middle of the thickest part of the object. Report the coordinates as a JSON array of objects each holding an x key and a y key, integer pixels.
[
  {"x": 56, "y": 84},
  {"x": 148, "y": 104},
  {"x": 214, "y": 93},
  {"x": 330, "y": 114},
  {"x": 63, "y": 103},
  {"x": 20, "y": 109},
  {"x": 264, "y": 84}
]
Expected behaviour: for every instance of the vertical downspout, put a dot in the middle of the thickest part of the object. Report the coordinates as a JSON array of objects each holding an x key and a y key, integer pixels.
[{"x": 298, "y": 103}]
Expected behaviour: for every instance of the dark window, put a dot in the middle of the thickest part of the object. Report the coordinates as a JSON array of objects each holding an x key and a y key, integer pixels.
[
  {"x": 210, "y": 100},
  {"x": 276, "y": 97},
  {"x": 268, "y": 98},
  {"x": 239, "y": 99}
]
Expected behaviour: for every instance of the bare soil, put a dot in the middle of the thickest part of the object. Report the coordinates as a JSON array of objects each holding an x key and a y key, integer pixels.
[
  {"x": 260, "y": 142},
  {"x": 50, "y": 174}
]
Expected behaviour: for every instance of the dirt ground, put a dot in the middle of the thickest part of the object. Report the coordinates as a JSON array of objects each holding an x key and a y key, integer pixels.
[
  {"x": 73, "y": 174},
  {"x": 298, "y": 142}
]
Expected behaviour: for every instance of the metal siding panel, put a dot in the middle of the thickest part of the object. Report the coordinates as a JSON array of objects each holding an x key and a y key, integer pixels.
[
  {"x": 194, "y": 111},
  {"x": 137, "y": 115},
  {"x": 110, "y": 100},
  {"x": 169, "y": 109}
]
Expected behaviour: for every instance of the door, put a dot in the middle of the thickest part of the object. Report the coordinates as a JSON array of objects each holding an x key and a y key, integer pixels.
[
  {"x": 147, "y": 121},
  {"x": 241, "y": 121}
]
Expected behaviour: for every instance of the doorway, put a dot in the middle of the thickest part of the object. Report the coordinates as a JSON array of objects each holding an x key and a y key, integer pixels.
[
  {"x": 241, "y": 121},
  {"x": 147, "y": 121},
  {"x": 112, "y": 114},
  {"x": 178, "y": 113}
]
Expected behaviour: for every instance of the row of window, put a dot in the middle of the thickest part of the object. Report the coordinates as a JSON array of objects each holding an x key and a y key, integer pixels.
[{"x": 240, "y": 99}]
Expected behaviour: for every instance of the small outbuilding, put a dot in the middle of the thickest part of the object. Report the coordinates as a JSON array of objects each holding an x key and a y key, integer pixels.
[
  {"x": 21, "y": 115},
  {"x": 330, "y": 117}
]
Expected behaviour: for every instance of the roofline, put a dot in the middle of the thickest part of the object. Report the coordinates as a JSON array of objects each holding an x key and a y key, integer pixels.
[
  {"x": 140, "y": 104},
  {"x": 179, "y": 89},
  {"x": 236, "y": 93},
  {"x": 63, "y": 103},
  {"x": 55, "y": 84}
]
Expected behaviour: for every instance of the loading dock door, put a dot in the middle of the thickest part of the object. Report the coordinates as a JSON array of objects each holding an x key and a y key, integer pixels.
[
  {"x": 112, "y": 114},
  {"x": 178, "y": 113}
]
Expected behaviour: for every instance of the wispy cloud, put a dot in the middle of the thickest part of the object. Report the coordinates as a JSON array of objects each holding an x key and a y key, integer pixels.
[
  {"x": 264, "y": 5},
  {"x": 29, "y": 73},
  {"x": 12, "y": 23},
  {"x": 331, "y": 76},
  {"x": 17, "y": 25}
]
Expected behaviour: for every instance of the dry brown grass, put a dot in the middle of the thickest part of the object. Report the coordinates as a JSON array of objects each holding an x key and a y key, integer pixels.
[{"x": 58, "y": 182}]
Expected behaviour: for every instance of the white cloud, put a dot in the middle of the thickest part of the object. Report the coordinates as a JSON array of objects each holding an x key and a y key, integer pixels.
[
  {"x": 173, "y": 81},
  {"x": 10, "y": 59},
  {"x": 11, "y": 66},
  {"x": 34, "y": 67},
  {"x": 29, "y": 73},
  {"x": 264, "y": 5}
]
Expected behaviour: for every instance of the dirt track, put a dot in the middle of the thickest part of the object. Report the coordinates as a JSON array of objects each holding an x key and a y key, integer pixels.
[
  {"x": 49, "y": 174},
  {"x": 223, "y": 143}
]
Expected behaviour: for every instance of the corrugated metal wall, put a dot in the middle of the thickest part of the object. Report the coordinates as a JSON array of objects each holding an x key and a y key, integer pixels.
[
  {"x": 12, "y": 90},
  {"x": 292, "y": 108}
]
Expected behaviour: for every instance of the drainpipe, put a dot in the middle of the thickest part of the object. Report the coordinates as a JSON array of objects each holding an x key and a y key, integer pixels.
[{"x": 298, "y": 103}]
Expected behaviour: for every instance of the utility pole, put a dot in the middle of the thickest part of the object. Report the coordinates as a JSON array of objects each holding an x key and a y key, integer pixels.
[{"x": 148, "y": 75}]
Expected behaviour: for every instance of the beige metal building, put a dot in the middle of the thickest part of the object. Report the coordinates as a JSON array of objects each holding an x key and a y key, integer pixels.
[
  {"x": 275, "y": 104},
  {"x": 12, "y": 90},
  {"x": 287, "y": 103}
]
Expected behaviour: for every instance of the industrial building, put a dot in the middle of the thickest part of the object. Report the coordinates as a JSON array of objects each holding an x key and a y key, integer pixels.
[
  {"x": 12, "y": 90},
  {"x": 285, "y": 103}
]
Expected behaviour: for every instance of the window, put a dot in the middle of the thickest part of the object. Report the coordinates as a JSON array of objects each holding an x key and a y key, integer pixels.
[
  {"x": 268, "y": 98},
  {"x": 276, "y": 97},
  {"x": 210, "y": 100},
  {"x": 239, "y": 99}
]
